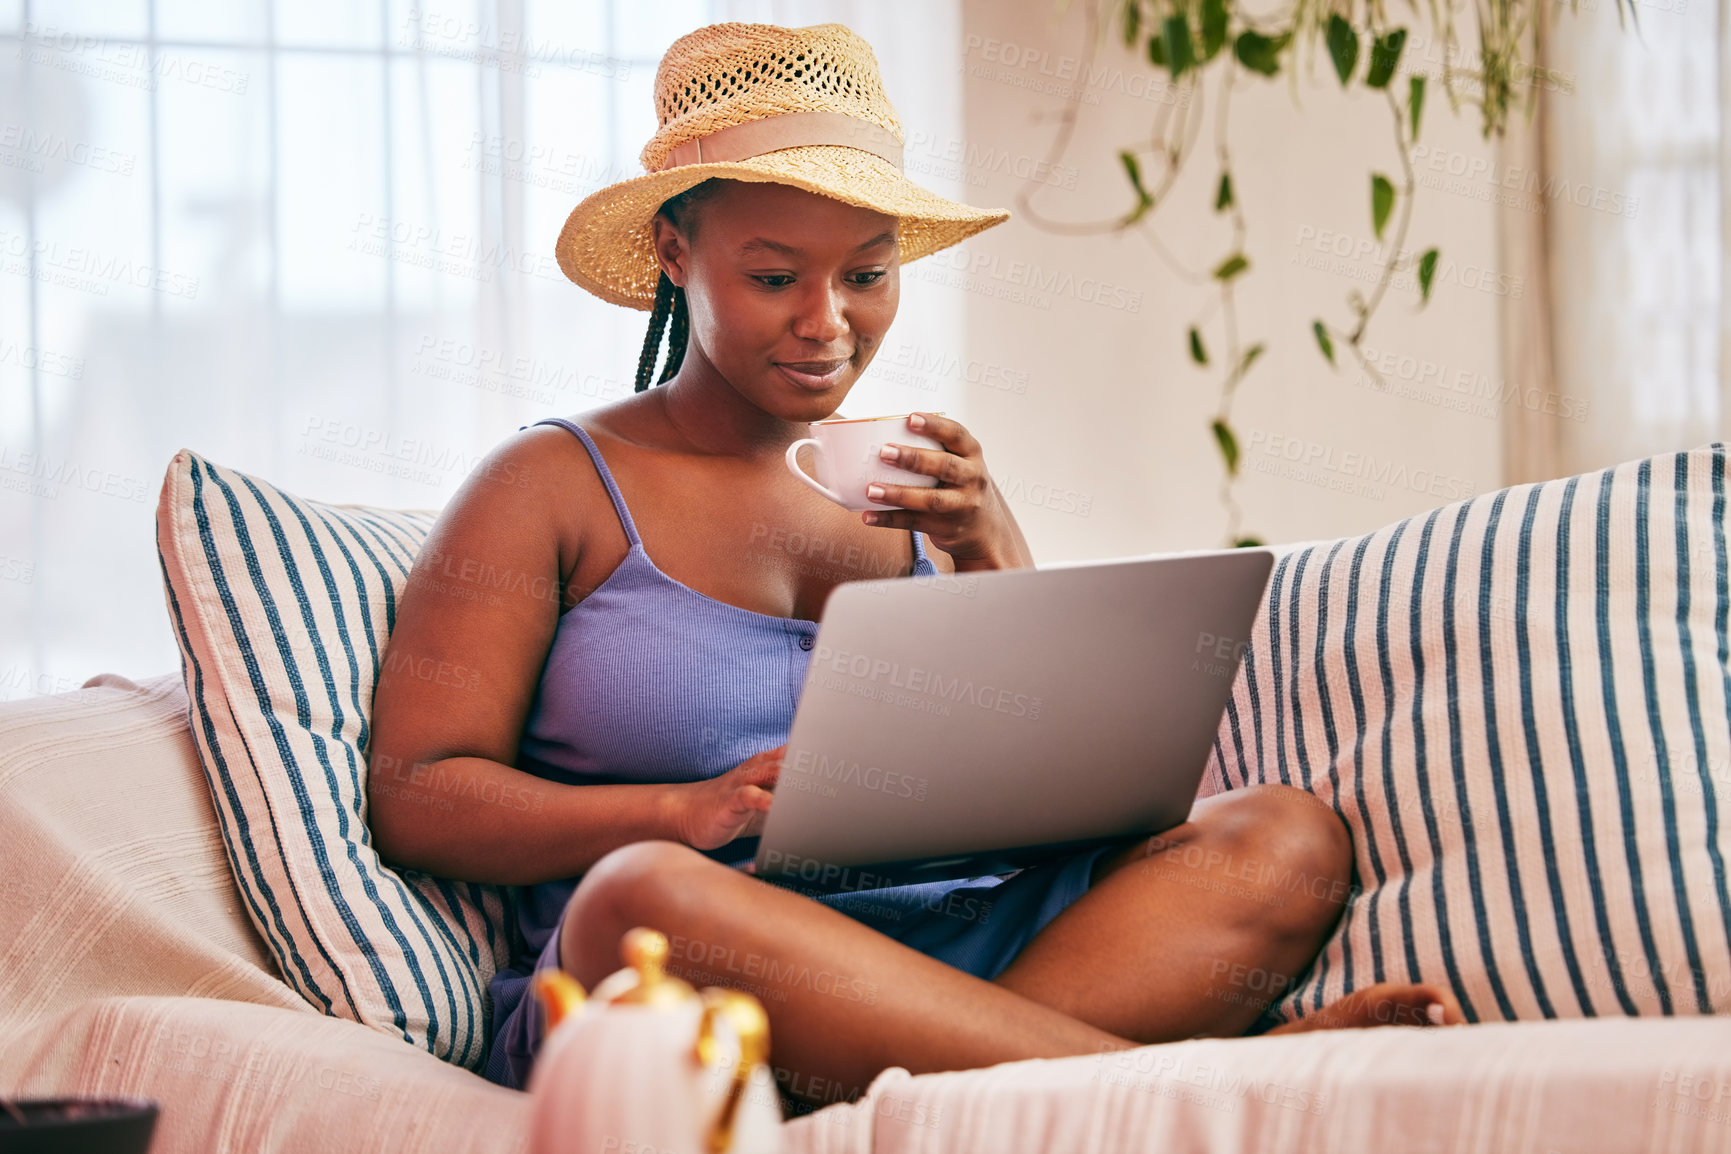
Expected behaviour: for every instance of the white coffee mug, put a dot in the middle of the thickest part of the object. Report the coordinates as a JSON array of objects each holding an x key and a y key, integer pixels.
[{"x": 847, "y": 458}]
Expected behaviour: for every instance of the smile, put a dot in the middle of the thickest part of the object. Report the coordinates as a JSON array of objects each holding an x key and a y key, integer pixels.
[{"x": 813, "y": 375}]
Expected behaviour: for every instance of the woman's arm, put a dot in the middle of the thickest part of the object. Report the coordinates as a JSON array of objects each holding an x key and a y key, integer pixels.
[
  {"x": 481, "y": 820},
  {"x": 472, "y": 633}
]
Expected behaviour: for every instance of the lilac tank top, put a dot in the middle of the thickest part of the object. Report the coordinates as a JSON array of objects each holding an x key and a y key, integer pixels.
[{"x": 649, "y": 680}]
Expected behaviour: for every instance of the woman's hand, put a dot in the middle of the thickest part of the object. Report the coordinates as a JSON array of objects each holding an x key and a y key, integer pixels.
[
  {"x": 964, "y": 515},
  {"x": 714, "y": 812}
]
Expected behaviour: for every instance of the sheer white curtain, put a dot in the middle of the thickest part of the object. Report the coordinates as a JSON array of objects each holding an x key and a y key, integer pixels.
[
  {"x": 1632, "y": 170},
  {"x": 313, "y": 240}
]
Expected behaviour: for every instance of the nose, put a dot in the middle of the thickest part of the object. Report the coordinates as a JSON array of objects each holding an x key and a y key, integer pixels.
[{"x": 820, "y": 317}]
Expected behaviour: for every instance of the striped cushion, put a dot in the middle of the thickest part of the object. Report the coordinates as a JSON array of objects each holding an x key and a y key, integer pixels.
[
  {"x": 282, "y": 608},
  {"x": 1518, "y": 704}
]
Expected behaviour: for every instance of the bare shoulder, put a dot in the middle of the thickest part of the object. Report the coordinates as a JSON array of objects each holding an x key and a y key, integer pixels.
[
  {"x": 536, "y": 483},
  {"x": 528, "y": 460},
  {"x": 483, "y": 600}
]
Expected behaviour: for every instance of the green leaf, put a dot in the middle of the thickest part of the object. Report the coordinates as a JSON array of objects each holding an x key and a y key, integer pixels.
[
  {"x": 1250, "y": 355},
  {"x": 1180, "y": 53},
  {"x": 1247, "y": 543},
  {"x": 1381, "y": 201},
  {"x": 1156, "y": 52},
  {"x": 1133, "y": 170},
  {"x": 1213, "y": 28},
  {"x": 1342, "y": 47},
  {"x": 1132, "y": 22},
  {"x": 1228, "y": 446},
  {"x": 1384, "y": 55},
  {"x": 1259, "y": 53},
  {"x": 1322, "y": 341},
  {"x": 1415, "y": 103},
  {"x": 1231, "y": 267},
  {"x": 1197, "y": 352},
  {"x": 1426, "y": 271},
  {"x": 1223, "y": 198}
]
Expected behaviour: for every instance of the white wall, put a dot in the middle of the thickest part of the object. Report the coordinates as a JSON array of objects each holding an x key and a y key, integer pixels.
[{"x": 1108, "y": 451}]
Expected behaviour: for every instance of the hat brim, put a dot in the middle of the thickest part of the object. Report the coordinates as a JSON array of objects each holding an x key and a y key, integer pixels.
[{"x": 607, "y": 247}]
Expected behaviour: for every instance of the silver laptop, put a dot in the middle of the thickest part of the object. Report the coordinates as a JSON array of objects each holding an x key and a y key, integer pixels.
[{"x": 956, "y": 726}]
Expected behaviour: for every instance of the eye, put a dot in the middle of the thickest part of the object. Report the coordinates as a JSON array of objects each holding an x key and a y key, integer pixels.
[
  {"x": 774, "y": 280},
  {"x": 869, "y": 277}
]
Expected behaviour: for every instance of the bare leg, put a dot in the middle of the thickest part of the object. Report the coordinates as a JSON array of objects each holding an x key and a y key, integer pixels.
[
  {"x": 1182, "y": 935},
  {"x": 1197, "y": 930},
  {"x": 844, "y": 1001}
]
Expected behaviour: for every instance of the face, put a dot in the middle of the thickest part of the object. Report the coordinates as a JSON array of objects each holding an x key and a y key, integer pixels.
[{"x": 789, "y": 293}]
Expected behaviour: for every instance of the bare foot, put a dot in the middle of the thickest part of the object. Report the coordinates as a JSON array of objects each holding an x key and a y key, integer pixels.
[{"x": 1384, "y": 1004}]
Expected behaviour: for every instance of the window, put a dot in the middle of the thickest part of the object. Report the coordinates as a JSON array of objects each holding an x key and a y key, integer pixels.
[
  {"x": 313, "y": 241},
  {"x": 1635, "y": 198}
]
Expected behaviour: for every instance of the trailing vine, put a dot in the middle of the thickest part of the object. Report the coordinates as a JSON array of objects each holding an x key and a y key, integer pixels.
[{"x": 1208, "y": 46}]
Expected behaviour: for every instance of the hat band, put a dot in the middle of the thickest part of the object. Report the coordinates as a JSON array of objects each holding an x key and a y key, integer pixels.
[{"x": 789, "y": 130}]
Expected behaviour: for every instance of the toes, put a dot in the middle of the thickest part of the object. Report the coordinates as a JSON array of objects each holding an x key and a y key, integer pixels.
[
  {"x": 1384, "y": 1004},
  {"x": 1394, "y": 1004},
  {"x": 1444, "y": 1009},
  {"x": 1414, "y": 1005}
]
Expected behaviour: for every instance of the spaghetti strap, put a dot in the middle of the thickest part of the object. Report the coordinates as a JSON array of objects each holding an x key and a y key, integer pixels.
[
  {"x": 920, "y": 557},
  {"x": 606, "y": 474}
]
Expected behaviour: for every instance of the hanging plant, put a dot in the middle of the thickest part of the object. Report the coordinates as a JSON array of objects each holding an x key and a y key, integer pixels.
[{"x": 1205, "y": 45}]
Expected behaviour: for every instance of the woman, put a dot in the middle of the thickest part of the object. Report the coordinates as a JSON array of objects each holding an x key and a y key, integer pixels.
[{"x": 635, "y": 715}]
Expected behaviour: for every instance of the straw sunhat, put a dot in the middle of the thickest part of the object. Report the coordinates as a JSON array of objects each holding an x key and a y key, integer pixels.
[{"x": 757, "y": 102}]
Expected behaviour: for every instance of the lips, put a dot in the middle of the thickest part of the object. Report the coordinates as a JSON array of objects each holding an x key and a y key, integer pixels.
[{"x": 814, "y": 375}]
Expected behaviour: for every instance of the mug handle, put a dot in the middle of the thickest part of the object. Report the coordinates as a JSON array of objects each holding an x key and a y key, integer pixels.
[{"x": 793, "y": 467}]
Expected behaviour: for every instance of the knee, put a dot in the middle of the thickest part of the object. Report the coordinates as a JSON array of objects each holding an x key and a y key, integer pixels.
[
  {"x": 1291, "y": 829},
  {"x": 637, "y": 881},
  {"x": 647, "y": 883},
  {"x": 1290, "y": 845}
]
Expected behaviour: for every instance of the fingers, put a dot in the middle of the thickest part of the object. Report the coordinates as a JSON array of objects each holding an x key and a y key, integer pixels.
[
  {"x": 753, "y": 826},
  {"x": 949, "y": 433},
  {"x": 957, "y": 467},
  {"x": 764, "y": 769},
  {"x": 888, "y": 519},
  {"x": 948, "y": 468},
  {"x": 917, "y": 499},
  {"x": 740, "y": 814},
  {"x": 745, "y": 813}
]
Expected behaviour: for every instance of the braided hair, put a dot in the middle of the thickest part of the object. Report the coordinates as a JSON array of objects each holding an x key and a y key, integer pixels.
[
  {"x": 669, "y": 304},
  {"x": 669, "y": 314}
]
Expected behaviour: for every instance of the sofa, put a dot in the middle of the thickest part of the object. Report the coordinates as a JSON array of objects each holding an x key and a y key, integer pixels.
[{"x": 132, "y": 961}]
